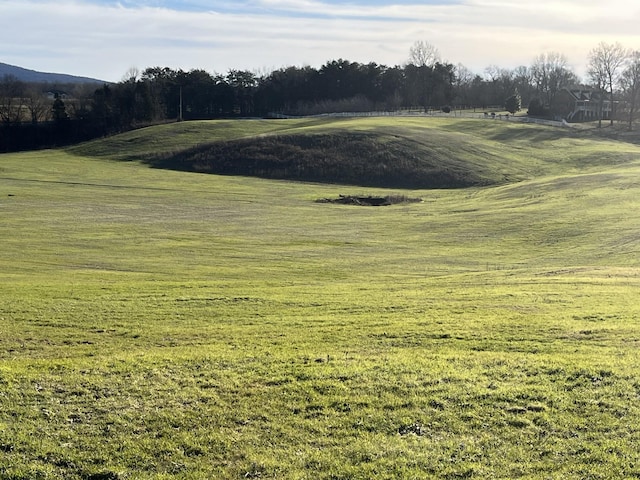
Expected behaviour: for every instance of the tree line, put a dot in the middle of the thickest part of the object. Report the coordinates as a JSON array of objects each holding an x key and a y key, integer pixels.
[{"x": 425, "y": 81}]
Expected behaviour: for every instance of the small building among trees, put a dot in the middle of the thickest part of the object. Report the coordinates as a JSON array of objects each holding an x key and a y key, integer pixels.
[
  {"x": 55, "y": 93},
  {"x": 581, "y": 105}
]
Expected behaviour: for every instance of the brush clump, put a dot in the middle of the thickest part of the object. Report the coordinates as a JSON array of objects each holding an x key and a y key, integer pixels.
[{"x": 348, "y": 158}]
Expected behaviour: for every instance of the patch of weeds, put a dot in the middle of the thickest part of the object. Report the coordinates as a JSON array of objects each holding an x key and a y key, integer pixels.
[
  {"x": 415, "y": 428},
  {"x": 370, "y": 200}
]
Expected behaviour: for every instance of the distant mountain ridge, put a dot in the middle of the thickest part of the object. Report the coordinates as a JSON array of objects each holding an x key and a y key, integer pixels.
[{"x": 27, "y": 75}]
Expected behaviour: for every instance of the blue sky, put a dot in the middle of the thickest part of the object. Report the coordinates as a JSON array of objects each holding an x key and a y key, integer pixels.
[
  {"x": 106, "y": 38},
  {"x": 295, "y": 9},
  {"x": 240, "y": 5}
]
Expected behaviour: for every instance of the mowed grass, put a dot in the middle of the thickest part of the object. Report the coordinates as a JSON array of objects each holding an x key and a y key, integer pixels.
[{"x": 161, "y": 324}]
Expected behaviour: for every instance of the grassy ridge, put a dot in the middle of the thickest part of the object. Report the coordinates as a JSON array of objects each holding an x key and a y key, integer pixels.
[
  {"x": 163, "y": 324},
  {"x": 392, "y": 152},
  {"x": 348, "y": 158}
]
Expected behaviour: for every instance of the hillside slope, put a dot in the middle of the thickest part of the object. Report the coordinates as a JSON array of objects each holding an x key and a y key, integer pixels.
[
  {"x": 382, "y": 152},
  {"x": 178, "y": 325},
  {"x": 26, "y": 75}
]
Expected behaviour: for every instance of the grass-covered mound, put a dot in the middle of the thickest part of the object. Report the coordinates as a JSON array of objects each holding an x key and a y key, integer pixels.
[
  {"x": 345, "y": 157},
  {"x": 375, "y": 152}
]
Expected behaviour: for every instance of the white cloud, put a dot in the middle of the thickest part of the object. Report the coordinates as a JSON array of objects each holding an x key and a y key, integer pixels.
[{"x": 73, "y": 36}]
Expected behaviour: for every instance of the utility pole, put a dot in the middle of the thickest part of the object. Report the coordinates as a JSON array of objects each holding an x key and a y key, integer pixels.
[{"x": 180, "y": 106}]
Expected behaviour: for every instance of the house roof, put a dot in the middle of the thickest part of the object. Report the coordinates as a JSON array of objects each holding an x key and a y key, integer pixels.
[{"x": 583, "y": 95}]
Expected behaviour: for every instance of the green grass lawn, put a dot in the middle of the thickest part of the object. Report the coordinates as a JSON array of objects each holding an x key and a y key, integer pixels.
[{"x": 159, "y": 324}]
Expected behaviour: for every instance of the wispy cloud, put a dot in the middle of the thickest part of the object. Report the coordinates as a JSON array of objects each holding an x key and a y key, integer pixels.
[{"x": 104, "y": 38}]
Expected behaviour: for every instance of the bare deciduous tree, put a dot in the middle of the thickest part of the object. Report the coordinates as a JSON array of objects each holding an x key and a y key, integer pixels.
[
  {"x": 550, "y": 73},
  {"x": 131, "y": 75},
  {"x": 522, "y": 80},
  {"x": 37, "y": 104},
  {"x": 500, "y": 83},
  {"x": 462, "y": 83},
  {"x": 11, "y": 99},
  {"x": 82, "y": 96},
  {"x": 605, "y": 64},
  {"x": 423, "y": 54},
  {"x": 630, "y": 83},
  {"x": 463, "y": 74}
]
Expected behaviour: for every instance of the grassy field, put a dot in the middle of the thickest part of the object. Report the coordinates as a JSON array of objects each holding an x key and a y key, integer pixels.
[{"x": 158, "y": 324}]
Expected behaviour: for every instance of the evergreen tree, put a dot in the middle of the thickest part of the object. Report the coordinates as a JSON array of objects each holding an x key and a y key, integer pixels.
[
  {"x": 513, "y": 104},
  {"x": 59, "y": 109}
]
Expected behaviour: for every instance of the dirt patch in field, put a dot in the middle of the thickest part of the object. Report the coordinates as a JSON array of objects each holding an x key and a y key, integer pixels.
[{"x": 370, "y": 200}]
